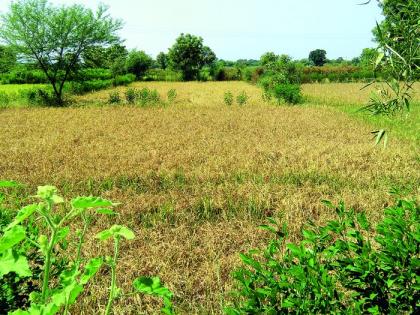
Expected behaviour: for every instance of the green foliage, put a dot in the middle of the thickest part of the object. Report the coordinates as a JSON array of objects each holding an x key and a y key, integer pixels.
[
  {"x": 189, "y": 55},
  {"x": 131, "y": 96},
  {"x": 162, "y": 60},
  {"x": 399, "y": 53},
  {"x": 7, "y": 59},
  {"x": 38, "y": 31},
  {"x": 318, "y": 57},
  {"x": 138, "y": 62},
  {"x": 148, "y": 97},
  {"x": 290, "y": 93},
  {"x": 57, "y": 291},
  {"x": 114, "y": 97},
  {"x": 124, "y": 79},
  {"x": 228, "y": 98},
  {"x": 242, "y": 98},
  {"x": 342, "y": 267},
  {"x": 171, "y": 95}
]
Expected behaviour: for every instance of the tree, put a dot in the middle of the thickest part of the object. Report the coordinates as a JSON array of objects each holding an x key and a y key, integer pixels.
[
  {"x": 318, "y": 57},
  {"x": 189, "y": 55},
  {"x": 268, "y": 58},
  {"x": 162, "y": 60},
  {"x": 56, "y": 37},
  {"x": 7, "y": 59},
  {"x": 138, "y": 62},
  {"x": 368, "y": 57}
]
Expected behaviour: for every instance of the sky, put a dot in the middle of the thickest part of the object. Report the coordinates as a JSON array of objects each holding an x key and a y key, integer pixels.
[{"x": 245, "y": 29}]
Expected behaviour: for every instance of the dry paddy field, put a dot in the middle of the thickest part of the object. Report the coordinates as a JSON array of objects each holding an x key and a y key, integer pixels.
[{"x": 196, "y": 178}]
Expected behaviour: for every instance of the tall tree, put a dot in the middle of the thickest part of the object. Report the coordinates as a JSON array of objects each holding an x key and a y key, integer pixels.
[
  {"x": 318, "y": 57},
  {"x": 162, "y": 60},
  {"x": 189, "y": 55},
  {"x": 56, "y": 36},
  {"x": 138, "y": 62}
]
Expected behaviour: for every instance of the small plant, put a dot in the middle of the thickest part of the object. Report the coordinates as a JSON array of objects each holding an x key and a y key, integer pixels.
[
  {"x": 171, "y": 95},
  {"x": 57, "y": 292},
  {"x": 242, "y": 98},
  {"x": 290, "y": 93},
  {"x": 114, "y": 98},
  {"x": 343, "y": 267},
  {"x": 148, "y": 97},
  {"x": 228, "y": 98},
  {"x": 131, "y": 96}
]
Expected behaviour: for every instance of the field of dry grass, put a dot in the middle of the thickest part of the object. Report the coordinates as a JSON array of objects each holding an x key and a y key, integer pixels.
[{"x": 196, "y": 178}]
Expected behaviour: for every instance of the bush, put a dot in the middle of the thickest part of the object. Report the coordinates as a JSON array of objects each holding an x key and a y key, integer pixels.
[
  {"x": 124, "y": 79},
  {"x": 114, "y": 97},
  {"x": 228, "y": 98},
  {"x": 131, "y": 96},
  {"x": 242, "y": 98},
  {"x": 343, "y": 267},
  {"x": 89, "y": 86},
  {"x": 290, "y": 93},
  {"x": 148, "y": 97}
]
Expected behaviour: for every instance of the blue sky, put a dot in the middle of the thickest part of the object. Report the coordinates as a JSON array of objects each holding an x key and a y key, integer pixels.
[{"x": 237, "y": 29}]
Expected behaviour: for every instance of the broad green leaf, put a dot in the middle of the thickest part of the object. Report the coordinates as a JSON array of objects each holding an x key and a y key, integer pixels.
[
  {"x": 151, "y": 286},
  {"x": 104, "y": 235},
  {"x": 90, "y": 202},
  {"x": 22, "y": 215},
  {"x": 294, "y": 249},
  {"x": 12, "y": 237},
  {"x": 12, "y": 262},
  {"x": 116, "y": 231},
  {"x": 8, "y": 184},
  {"x": 91, "y": 269}
]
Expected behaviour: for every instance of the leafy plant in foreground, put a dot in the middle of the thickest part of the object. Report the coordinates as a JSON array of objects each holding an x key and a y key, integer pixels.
[
  {"x": 56, "y": 293},
  {"x": 114, "y": 97},
  {"x": 336, "y": 268}
]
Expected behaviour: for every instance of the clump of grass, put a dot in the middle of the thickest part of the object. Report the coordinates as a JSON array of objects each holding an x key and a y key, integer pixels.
[{"x": 171, "y": 95}]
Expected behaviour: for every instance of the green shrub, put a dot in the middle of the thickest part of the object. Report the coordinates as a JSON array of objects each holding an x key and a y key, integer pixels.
[
  {"x": 148, "y": 97},
  {"x": 343, "y": 267},
  {"x": 124, "y": 79},
  {"x": 290, "y": 93},
  {"x": 228, "y": 98},
  {"x": 242, "y": 98},
  {"x": 56, "y": 290},
  {"x": 114, "y": 97},
  {"x": 131, "y": 96},
  {"x": 171, "y": 95},
  {"x": 89, "y": 86}
]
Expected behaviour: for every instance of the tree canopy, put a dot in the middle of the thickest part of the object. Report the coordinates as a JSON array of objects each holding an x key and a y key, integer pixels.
[
  {"x": 318, "y": 57},
  {"x": 189, "y": 55},
  {"x": 55, "y": 37}
]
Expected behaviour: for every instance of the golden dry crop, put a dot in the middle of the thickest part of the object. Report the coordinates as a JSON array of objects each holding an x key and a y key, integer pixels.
[{"x": 196, "y": 178}]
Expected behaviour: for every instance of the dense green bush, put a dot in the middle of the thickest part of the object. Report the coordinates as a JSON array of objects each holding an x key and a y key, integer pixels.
[
  {"x": 89, "y": 86},
  {"x": 290, "y": 93},
  {"x": 21, "y": 75},
  {"x": 162, "y": 75},
  {"x": 124, "y": 79},
  {"x": 343, "y": 267}
]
